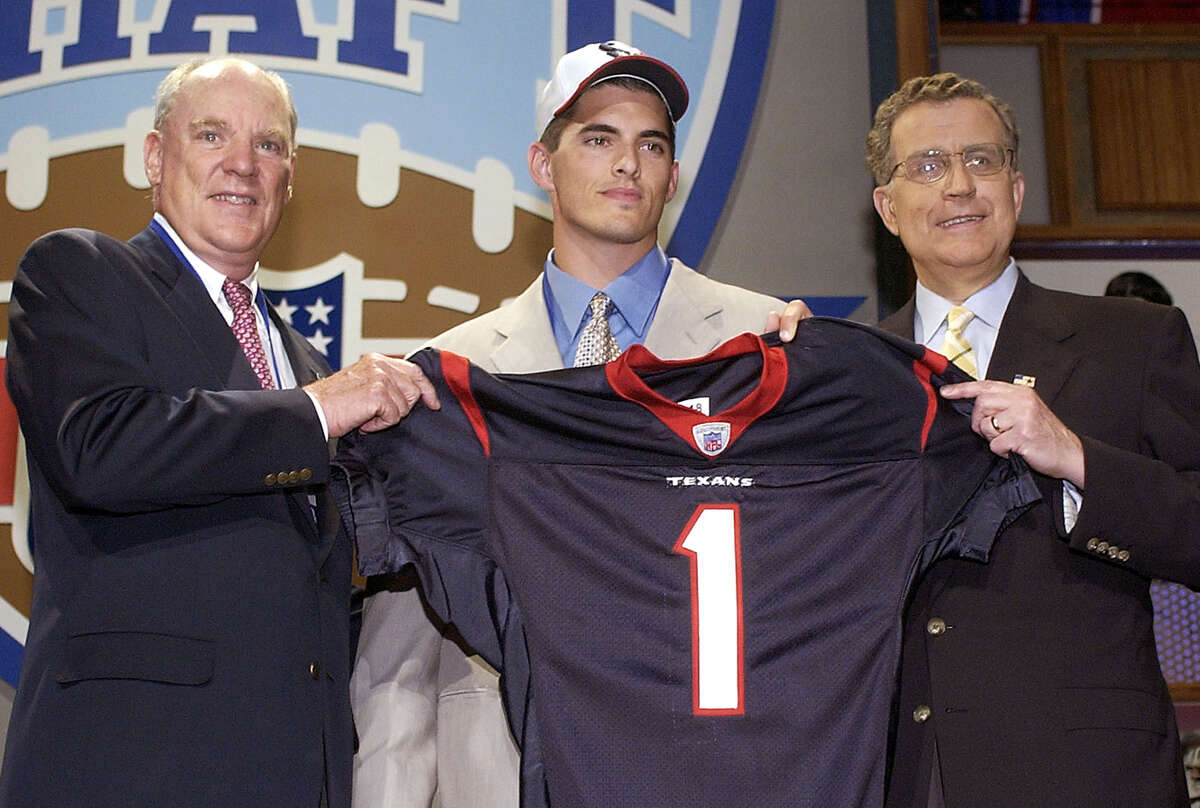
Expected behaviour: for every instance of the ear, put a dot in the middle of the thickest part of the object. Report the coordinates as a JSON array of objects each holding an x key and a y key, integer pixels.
[
  {"x": 885, "y": 209},
  {"x": 673, "y": 183},
  {"x": 540, "y": 169},
  {"x": 1018, "y": 193},
  {"x": 152, "y": 148},
  {"x": 291, "y": 178}
]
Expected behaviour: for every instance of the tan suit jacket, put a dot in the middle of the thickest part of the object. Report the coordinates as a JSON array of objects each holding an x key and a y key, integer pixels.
[
  {"x": 695, "y": 315},
  {"x": 429, "y": 717}
]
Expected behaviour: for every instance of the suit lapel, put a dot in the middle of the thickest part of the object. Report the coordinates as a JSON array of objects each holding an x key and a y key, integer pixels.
[
  {"x": 221, "y": 355},
  {"x": 527, "y": 342},
  {"x": 901, "y": 322},
  {"x": 1034, "y": 340},
  {"x": 682, "y": 324},
  {"x": 186, "y": 296}
]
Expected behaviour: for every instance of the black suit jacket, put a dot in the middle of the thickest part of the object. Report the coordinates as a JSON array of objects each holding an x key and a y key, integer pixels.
[
  {"x": 188, "y": 640},
  {"x": 1039, "y": 668}
]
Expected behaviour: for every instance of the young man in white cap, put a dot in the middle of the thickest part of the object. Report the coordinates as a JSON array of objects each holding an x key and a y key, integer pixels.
[{"x": 428, "y": 715}]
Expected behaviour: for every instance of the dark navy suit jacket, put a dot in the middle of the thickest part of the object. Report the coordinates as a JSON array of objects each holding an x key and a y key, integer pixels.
[
  {"x": 1039, "y": 668},
  {"x": 188, "y": 640}
]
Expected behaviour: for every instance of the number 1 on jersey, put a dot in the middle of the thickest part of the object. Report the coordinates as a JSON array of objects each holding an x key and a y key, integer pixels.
[{"x": 712, "y": 542}]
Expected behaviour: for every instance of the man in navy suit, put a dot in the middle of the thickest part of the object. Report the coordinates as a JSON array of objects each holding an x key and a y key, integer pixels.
[
  {"x": 1032, "y": 679},
  {"x": 188, "y": 644}
]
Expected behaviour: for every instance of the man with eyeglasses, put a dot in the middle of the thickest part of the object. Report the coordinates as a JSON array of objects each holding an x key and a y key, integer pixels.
[{"x": 1033, "y": 679}]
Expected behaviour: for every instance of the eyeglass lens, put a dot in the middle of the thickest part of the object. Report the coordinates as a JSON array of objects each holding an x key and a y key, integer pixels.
[{"x": 981, "y": 160}]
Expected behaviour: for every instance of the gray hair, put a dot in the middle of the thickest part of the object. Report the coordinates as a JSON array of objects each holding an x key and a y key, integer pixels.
[
  {"x": 932, "y": 89},
  {"x": 168, "y": 89}
]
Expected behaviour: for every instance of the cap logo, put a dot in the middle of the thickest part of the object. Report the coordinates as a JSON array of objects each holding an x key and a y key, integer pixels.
[{"x": 615, "y": 49}]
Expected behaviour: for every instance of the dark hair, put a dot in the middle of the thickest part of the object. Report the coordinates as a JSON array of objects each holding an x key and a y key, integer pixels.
[{"x": 1138, "y": 284}]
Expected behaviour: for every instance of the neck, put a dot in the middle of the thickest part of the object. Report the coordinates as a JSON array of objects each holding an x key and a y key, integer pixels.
[
  {"x": 594, "y": 262},
  {"x": 237, "y": 272},
  {"x": 956, "y": 284}
]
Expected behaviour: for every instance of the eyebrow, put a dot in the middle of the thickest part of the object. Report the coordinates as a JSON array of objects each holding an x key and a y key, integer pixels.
[
  {"x": 202, "y": 123},
  {"x": 612, "y": 130},
  {"x": 217, "y": 123}
]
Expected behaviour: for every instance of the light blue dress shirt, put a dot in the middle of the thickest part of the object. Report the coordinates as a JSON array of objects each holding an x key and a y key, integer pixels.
[{"x": 635, "y": 294}]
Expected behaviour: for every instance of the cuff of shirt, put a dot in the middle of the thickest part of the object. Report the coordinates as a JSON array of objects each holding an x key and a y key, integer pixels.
[
  {"x": 320, "y": 413},
  {"x": 1072, "y": 502}
]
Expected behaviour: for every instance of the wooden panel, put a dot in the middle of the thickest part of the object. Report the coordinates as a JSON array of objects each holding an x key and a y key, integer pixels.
[
  {"x": 1057, "y": 132},
  {"x": 1185, "y": 691},
  {"x": 913, "y": 37},
  {"x": 1078, "y": 208},
  {"x": 1145, "y": 128}
]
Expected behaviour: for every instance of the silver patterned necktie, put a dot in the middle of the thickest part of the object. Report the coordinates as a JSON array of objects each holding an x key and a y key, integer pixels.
[
  {"x": 956, "y": 348},
  {"x": 597, "y": 344}
]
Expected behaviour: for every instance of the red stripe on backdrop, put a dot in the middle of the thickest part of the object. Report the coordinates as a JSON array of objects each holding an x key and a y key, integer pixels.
[{"x": 1150, "y": 11}]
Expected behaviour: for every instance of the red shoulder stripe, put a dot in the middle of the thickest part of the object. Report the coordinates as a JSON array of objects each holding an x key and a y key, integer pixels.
[
  {"x": 456, "y": 370},
  {"x": 931, "y": 362}
]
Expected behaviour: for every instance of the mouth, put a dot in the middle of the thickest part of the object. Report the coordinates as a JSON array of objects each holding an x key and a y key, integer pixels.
[
  {"x": 960, "y": 220},
  {"x": 625, "y": 195},
  {"x": 235, "y": 199}
]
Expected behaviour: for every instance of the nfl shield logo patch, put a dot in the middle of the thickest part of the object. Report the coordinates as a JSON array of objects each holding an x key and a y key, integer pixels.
[{"x": 711, "y": 438}]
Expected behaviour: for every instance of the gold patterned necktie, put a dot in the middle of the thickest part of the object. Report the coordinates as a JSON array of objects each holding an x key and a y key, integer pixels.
[
  {"x": 956, "y": 348},
  {"x": 597, "y": 344},
  {"x": 245, "y": 328}
]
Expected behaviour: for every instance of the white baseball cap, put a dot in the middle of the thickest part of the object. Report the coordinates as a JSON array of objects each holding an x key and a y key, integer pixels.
[{"x": 600, "y": 61}]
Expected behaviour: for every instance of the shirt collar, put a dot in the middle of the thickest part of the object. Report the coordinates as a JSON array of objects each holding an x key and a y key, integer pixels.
[
  {"x": 211, "y": 278},
  {"x": 988, "y": 304},
  {"x": 634, "y": 292}
]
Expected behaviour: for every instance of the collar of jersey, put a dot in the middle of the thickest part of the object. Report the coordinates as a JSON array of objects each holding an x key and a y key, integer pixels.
[{"x": 624, "y": 377}]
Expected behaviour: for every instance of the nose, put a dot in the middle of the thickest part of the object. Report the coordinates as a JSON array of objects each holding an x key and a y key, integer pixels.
[
  {"x": 626, "y": 161},
  {"x": 958, "y": 181},
  {"x": 240, "y": 157}
]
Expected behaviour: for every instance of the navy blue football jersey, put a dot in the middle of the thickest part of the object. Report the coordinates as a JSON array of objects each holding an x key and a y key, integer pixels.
[{"x": 690, "y": 573}]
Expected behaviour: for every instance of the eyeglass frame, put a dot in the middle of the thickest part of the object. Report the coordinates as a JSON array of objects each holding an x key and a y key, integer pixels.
[{"x": 1009, "y": 155}]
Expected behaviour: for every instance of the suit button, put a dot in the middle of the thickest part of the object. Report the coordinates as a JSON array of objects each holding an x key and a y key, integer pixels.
[
  {"x": 305, "y": 474},
  {"x": 281, "y": 478},
  {"x": 269, "y": 479},
  {"x": 1102, "y": 547},
  {"x": 293, "y": 477},
  {"x": 1123, "y": 555},
  {"x": 922, "y": 713},
  {"x": 1114, "y": 551},
  {"x": 1092, "y": 542},
  {"x": 314, "y": 670},
  {"x": 936, "y": 627}
]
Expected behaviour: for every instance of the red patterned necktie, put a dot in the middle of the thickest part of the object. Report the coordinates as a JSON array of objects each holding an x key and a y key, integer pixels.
[{"x": 246, "y": 330}]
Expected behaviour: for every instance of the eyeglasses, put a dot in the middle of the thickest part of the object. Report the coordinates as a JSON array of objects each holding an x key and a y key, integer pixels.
[{"x": 980, "y": 160}]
